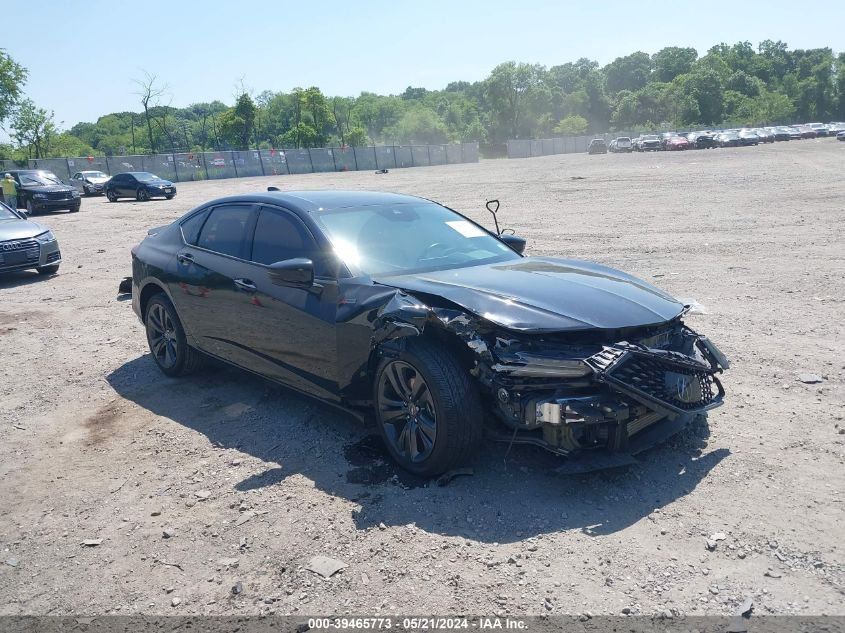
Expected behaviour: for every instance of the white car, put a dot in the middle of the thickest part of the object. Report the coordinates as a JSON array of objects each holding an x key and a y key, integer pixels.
[{"x": 89, "y": 182}]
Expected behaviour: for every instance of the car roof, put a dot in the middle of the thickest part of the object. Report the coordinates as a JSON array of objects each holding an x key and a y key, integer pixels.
[{"x": 321, "y": 200}]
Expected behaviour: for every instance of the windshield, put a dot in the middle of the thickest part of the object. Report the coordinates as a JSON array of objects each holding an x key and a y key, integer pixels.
[
  {"x": 39, "y": 178},
  {"x": 145, "y": 176},
  {"x": 6, "y": 213},
  {"x": 651, "y": 137},
  {"x": 403, "y": 238},
  {"x": 94, "y": 174}
]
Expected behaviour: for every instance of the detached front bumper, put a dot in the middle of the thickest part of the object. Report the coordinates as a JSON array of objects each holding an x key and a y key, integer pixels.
[{"x": 627, "y": 398}]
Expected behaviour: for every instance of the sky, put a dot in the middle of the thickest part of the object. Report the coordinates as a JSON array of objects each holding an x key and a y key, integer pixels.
[{"x": 82, "y": 57}]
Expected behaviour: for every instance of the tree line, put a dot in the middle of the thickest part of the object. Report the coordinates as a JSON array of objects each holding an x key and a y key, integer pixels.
[{"x": 729, "y": 85}]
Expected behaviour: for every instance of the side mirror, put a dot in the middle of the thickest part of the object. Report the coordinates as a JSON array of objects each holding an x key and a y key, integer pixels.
[
  {"x": 295, "y": 273},
  {"x": 514, "y": 241}
]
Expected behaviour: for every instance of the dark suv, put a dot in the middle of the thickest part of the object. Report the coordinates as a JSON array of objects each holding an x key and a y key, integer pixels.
[{"x": 42, "y": 190}]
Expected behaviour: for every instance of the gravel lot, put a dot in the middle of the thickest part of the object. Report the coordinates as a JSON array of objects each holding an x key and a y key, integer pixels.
[{"x": 191, "y": 486}]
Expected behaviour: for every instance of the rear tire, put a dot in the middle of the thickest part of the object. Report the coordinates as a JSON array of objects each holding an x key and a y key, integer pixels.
[
  {"x": 111, "y": 195},
  {"x": 166, "y": 338},
  {"x": 441, "y": 412},
  {"x": 142, "y": 195}
]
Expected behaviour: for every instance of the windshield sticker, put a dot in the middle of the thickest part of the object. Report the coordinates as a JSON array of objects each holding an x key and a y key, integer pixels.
[{"x": 466, "y": 229}]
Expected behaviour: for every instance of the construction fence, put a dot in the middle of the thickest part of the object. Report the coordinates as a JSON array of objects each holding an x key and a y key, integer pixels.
[{"x": 190, "y": 166}]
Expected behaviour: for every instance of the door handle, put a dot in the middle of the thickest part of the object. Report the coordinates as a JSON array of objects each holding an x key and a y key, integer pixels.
[
  {"x": 185, "y": 258},
  {"x": 245, "y": 284}
]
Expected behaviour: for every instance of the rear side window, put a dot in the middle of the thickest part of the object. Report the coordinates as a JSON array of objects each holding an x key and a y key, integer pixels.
[
  {"x": 280, "y": 236},
  {"x": 191, "y": 227},
  {"x": 225, "y": 230}
]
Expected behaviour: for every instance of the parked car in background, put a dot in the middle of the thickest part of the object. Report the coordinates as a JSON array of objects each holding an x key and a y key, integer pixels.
[
  {"x": 794, "y": 132},
  {"x": 42, "y": 190},
  {"x": 841, "y": 136},
  {"x": 764, "y": 135},
  {"x": 820, "y": 128},
  {"x": 806, "y": 132},
  {"x": 140, "y": 185},
  {"x": 392, "y": 308},
  {"x": 702, "y": 140},
  {"x": 25, "y": 244},
  {"x": 89, "y": 182},
  {"x": 728, "y": 139},
  {"x": 676, "y": 143},
  {"x": 835, "y": 128},
  {"x": 597, "y": 146},
  {"x": 648, "y": 143},
  {"x": 621, "y": 145},
  {"x": 780, "y": 133},
  {"x": 748, "y": 137}
]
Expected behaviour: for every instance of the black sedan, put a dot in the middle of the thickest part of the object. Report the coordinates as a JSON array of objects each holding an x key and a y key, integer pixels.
[
  {"x": 41, "y": 190},
  {"x": 728, "y": 139},
  {"x": 407, "y": 313},
  {"x": 140, "y": 185}
]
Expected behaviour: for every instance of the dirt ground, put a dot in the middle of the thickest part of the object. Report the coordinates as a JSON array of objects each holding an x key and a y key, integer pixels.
[{"x": 191, "y": 486}]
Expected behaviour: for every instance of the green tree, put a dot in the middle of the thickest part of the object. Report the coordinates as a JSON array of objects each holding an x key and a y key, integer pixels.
[
  {"x": 418, "y": 125},
  {"x": 509, "y": 88},
  {"x": 33, "y": 128},
  {"x": 672, "y": 61},
  {"x": 573, "y": 124},
  {"x": 237, "y": 123},
  {"x": 12, "y": 77},
  {"x": 631, "y": 72}
]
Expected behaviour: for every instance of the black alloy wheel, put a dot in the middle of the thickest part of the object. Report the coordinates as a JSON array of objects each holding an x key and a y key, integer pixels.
[
  {"x": 161, "y": 334},
  {"x": 110, "y": 194},
  {"x": 427, "y": 408},
  {"x": 407, "y": 412},
  {"x": 142, "y": 195}
]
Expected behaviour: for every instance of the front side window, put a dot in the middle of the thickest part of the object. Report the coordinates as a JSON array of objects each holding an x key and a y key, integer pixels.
[
  {"x": 225, "y": 230},
  {"x": 280, "y": 236}
]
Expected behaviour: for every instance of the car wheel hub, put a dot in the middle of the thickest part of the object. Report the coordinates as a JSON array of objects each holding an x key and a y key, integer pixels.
[{"x": 406, "y": 411}]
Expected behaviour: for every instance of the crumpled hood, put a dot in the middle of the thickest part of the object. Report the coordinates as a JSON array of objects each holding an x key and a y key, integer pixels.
[
  {"x": 546, "y": 294},
  {"x": 20, "y": 229}
]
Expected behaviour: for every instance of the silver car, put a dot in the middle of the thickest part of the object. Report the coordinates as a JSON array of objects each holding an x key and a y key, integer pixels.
[
  {"x": 25, "y": 244},
  {"x": 89, "y": 182}
]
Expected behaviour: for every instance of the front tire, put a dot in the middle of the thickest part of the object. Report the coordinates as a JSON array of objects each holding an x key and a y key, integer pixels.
[
  {"x": 427, "y": 408},
  {"x": 48, "y": 270},
  {"x": 166, "y": 338},
  {"x": 142, "y": 195},
  {"x": 111, "y": 195}
]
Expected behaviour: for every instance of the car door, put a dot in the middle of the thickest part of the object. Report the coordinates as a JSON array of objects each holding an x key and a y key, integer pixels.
[
  {"x": 116, "y": 183},
  {"x": 207, "y": 285},
  {"x": 290, "y": 331},
  {"x": 128, "y": 185},
  {"x": 76, "y": 181}
]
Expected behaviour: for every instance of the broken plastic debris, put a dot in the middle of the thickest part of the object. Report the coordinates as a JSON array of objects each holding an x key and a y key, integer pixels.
[
  {"x": 325, "y": 566},
  {"x": 445, "y": 478}
]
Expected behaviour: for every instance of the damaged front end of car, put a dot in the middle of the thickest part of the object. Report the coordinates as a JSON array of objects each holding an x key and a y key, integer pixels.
[{"x": 597, "y": 396}]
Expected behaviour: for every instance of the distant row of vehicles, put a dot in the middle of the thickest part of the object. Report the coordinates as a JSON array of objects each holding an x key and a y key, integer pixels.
[
  {"x": 707, "y": 139},
  {"x": 41, "y": 190}
]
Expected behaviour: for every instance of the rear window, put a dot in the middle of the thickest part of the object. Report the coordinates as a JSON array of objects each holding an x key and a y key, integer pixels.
[{"x": 191, "y": 227}]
